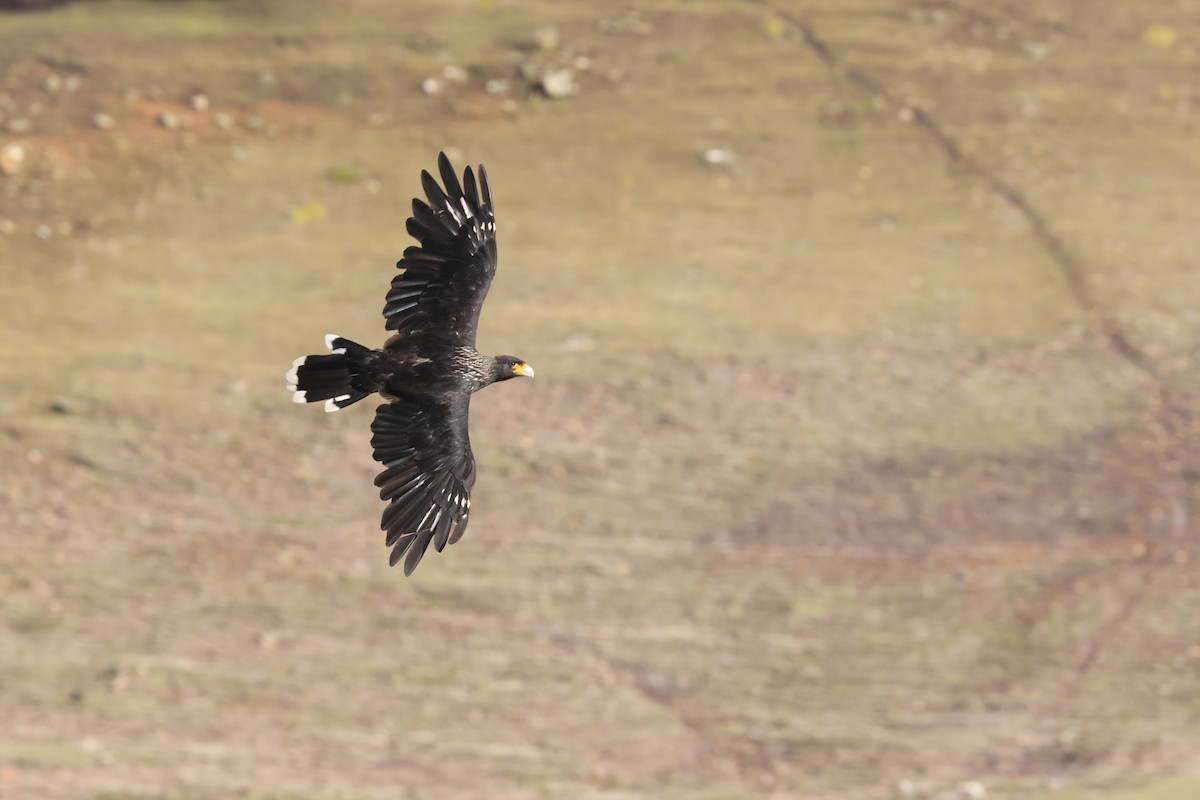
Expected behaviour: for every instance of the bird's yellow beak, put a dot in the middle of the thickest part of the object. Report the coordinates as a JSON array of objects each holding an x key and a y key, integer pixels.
[{"x": 523, "y": 369}]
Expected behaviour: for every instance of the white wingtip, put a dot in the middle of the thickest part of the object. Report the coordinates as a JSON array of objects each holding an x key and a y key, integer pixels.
[
  {"x": 291, "y": 378},
  {"x": 299, "y": 397},
  {"x": 329, "y": 337},
  {"x": 332, "y": 403}
]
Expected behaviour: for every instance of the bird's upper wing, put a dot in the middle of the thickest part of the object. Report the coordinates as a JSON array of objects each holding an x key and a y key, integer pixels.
[
  {"x": 423, "y": 444},
  {"x": 444, "y": 280}
]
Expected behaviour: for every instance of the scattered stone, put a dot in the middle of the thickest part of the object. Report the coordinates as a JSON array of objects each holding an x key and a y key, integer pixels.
[
  {"x": 373, "y": 185},
  {"x": 72, "y": 83},
  {"x": 43, "y": 232},
  {"x": 19, "y": 125},
  {"x": 717, "y": 157},
  {"x": 223, "y": 120},
  {"x": 65, "y": 228},
  {"x": 559, "y": 83},
  {"x": 431, "y": 86},
  {"x": 546, "y": 37},
  {"x": 62, "y": 405},
  {"x": 498, "y": 86},
  {"x": 378, "y": 119},
  {"x": 582, "y": 63},
  {"x": 254, "y": 122},
  {"x": 907, "y": 788},
  {"x": 53, "y": 83},
  {"x": 199, "y": 102},
  {"x": 7, "y": 227},
  {"x": 579, "y": 343},
  {"x": 454, "y": 73},
  {"x": 906, "y": 114},
  {"x": 169, "y": 120},
  {"x": 12, "y": 158},
  {"x": 1036, "y": 50},
  {"x": 267, "y": 78},
  {"x": 530, "y": 72},
  {"x": 509, "y": 106},
  {"x": 972, "y": 790},
  {"x": 103, "y": 121}
]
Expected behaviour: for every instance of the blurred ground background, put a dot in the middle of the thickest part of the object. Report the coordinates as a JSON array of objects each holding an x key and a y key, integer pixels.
[{"x": 861, "y": 460}]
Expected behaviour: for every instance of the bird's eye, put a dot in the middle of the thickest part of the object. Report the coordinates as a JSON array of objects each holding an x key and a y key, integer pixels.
[{"x": 517, "y": 367}]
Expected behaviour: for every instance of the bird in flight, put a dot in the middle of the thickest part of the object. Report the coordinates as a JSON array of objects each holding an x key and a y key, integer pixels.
[{"x": 428, "y": 370}]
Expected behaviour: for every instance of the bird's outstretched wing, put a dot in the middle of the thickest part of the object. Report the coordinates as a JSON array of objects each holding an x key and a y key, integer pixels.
[
  {"x": 429, "y": 473},
  {"x": 444, "y": 280}
]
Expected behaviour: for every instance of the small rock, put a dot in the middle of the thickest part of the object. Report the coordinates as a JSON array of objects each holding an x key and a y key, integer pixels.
[
  {"x": 559, "y": 83},
  {"x": 19, "y": 125},
  {"x": 907, "y": 788},
  {"x": 497, "y": 86},
  {"x": 254, "y": 122},
  {"x": 72, "y": 83},
  {"x": 223, "y": 120},
  {"x": 12, "y": 158},
  {"x": 582, "y": 63},
  {"x": 7, "y": 227},
  {"x": 53, "y": 83},
  {"x": 717, "y": 157},
  {"x": 169, "y": 120},
  {"x": 906, "y": 114},
  {"x": 972, "y": 790},
  {"x": 199, "y": 102},
  {"x": 454, "y": 73},
  {"x": 267, "y": 78},
  {"x": 546, "y": 37},
  {"x": 579, "y": 343},
  {"x": 43, "y": 232},
  {"x": 431, "y": 86},
  {"x": 103, "y": 121},
  {"x": 530, "y": 72},
  {"x": 377, "y": 119}
]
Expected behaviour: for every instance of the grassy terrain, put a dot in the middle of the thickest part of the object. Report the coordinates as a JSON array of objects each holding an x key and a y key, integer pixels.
[{"x": 859, "y": 466}]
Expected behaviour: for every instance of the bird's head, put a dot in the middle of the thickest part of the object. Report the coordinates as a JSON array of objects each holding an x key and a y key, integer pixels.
[{"x": 511, "y": 367}]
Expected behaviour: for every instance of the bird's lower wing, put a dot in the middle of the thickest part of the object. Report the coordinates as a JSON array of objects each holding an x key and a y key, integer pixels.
[{"x": 428, "y": 475}]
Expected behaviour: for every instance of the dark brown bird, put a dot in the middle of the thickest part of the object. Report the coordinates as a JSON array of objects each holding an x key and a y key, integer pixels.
[{"x": 428, "y": 370}]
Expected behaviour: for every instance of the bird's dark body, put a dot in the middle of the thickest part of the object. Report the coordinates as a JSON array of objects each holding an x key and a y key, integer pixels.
[{"x": 428, "y": 370}]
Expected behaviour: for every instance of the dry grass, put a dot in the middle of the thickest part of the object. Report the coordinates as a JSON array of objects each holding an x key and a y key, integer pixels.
[{"x": 827, "y": 480}]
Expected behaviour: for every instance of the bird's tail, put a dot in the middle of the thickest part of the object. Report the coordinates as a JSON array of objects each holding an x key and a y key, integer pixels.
[{"x": 340, "y": 378}]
